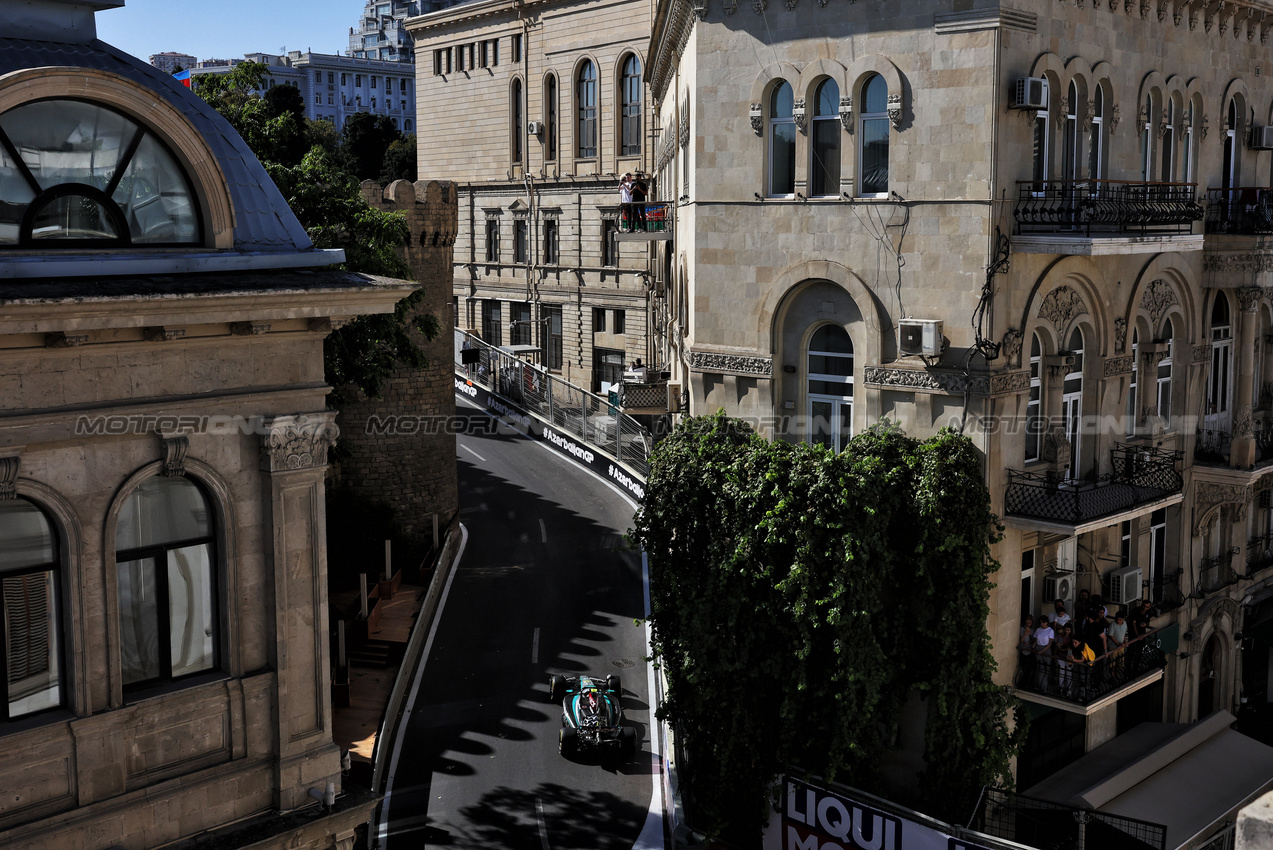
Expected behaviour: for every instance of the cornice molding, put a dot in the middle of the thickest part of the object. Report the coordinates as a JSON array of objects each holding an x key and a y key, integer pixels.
[{"x": 731, "y": 364}]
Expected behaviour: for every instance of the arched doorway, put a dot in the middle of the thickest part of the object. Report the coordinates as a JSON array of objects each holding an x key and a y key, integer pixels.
[{"x": 830, "y": 387}]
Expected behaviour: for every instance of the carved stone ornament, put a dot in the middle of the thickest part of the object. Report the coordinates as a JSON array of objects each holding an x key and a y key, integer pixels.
[
  {"x": 1113, "y": 119},
  {"x": 1063, "y": 112},
  {"x": 758, "y": 6},
  {"x": 1261, "y": 262},
  {"x": 299, "y": 441},
  {"x": 1009, "y": 382},
  {"x": 1203, "y": 129},
  {"x": 1162, "y": 11},
  {"x": 1087, "y": 116},
  {"x": 798, "y": 114},
  {"x": 846, "y": 113},
  {"x": 1202, "y": 353},
  {"x": 1159, "y": 295},
  {"x": 731, "y": 6},
  {"x": 1209, "y": 494},
  {"x": 163, "y": 334},
  {"x": 249, "y": 328},
  {"x": 1010, "y": 347},
  {"x": 1242, "y": 423},
  {"x": 1213, "y": 613},
  {"x": 1056, "y": 448},
  {"x": 731, "y": 364},
  {"x": 1249, "y": 298},
  {"x": 951, "y": 383},
  {"x": 685, "y": 124},
  {"x": 1178, "y": 15},
  {"x": 790, "y": 4},
  {"x": 757, "y": 119},
  {"x": 62, "y": 339},
  {"x": 9, "y": 476},
  {"x": 895, "y": 110},
  {"x": 1115, "y": 366},
  {"x": 700, "y": 9},
  {"x": 175, "y": 448},
  {"x": 1120, "y": 335},
  {"x": 1060, "y": 308}
]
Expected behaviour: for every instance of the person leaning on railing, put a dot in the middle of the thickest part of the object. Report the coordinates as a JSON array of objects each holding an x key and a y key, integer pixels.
[
  {"x": 1025, "y": 649},
  {"x": 1115, "y": 639},
  {"x": 1043, "y": 640}
]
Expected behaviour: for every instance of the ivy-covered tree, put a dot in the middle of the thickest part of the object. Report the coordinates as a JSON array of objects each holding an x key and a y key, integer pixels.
[{"x": 800, "y": 597}]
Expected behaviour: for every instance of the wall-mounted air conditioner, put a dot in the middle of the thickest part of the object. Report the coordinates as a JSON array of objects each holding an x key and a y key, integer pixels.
[
  {"x": 1262, "y": 138},
  {"x": 534, "y": 128},
  {"x": 1059, "y": 586},
  {"x": 1032, "y": 93},
  {"x": 920, "y": 336},
  {"x": 1124, "y": 585}
]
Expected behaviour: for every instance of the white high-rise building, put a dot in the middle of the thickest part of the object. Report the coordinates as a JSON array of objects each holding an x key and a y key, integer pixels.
[{"x": 381, "y": 34}]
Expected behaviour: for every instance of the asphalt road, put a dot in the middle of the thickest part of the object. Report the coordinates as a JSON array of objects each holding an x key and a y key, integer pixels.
[{"x": 544, "y": 586}]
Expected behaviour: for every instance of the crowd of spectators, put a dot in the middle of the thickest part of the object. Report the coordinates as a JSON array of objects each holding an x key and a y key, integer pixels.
[{"x": 1065, "y": 654}]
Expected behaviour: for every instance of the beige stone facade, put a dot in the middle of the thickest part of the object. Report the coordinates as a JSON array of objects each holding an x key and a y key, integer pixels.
[
  {"x": 843, "y": 176},
  {"x": 535, "y": 261},
  {"x": 163, "y": 449}
]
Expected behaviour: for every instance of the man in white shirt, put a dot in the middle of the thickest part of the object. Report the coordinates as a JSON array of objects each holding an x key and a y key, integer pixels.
[
  {"x": 1043, "y": 638},
  {"x": 625, "y": 200},
  {"x": 1061, "y": 617}
]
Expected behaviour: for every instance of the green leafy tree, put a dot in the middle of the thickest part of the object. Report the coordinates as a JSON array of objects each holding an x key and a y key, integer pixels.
[
  {"x": 789, "y": 591},
  {"x": 364, "y": 139},
  {"x": 272, "y": 124},
  {"x": 400, "y": 161}
]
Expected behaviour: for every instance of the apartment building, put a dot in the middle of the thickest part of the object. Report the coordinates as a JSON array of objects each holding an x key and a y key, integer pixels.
[
  {"x": 170, "y": 62},
  {"x": 537, "y": 109},
  {"x": 1047, "y": 226}
]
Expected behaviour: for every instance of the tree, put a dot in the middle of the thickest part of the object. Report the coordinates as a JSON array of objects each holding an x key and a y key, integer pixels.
[
  {"x": 400, "y": 161},
  {"x": 273, "y": 125},
  {"x": 794, "y": 599},
  {"x": 363, "y": 142}
]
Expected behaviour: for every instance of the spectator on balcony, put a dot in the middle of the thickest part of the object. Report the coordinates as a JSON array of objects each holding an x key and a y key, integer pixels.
[
  {"x": 1025, "y": 648},
  {"x": 625, "y": 200},
  {"x": 1141, "y": 618},
  {"x": 1060, "y": 618},
  {"x": 1081, "y": 605},
  {"x": 639, "y": 195},
  {"x": 1093, "y": 630},
  {"x": 1116, "y": 638},
  {"x": 1043, "y": 639},
  {"x": 1082, "y": 656}
]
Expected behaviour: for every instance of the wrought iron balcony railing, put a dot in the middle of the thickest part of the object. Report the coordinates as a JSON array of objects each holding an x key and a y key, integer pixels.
[
  {"x": 1139, "y": 475},
  {"x": 1212, "y": 445},
  {"x": 1083, "y": 683},
  {"x": 1106, "y": 207},
  {"x": 647, "y": 217},
  {"x": 1216, "y": 573},
  {"x": 1259, "y": 554},
  {"x": 1165, "y": 592},
  {"x": 1246, "y": 211}
]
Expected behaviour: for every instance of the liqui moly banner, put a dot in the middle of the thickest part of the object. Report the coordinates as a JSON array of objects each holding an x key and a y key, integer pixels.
[{"x": 815, "y": 818}]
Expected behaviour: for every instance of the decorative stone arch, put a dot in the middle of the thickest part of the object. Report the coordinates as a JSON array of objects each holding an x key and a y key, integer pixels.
[
  {"x": 1079, "y": 72},
  {"x": 568, "y": 111},
  {"x": 616, "y": 76},
  {"x": 874, "y": 63},
  {"x": 1209, "y": 299},
  {"x": 616, "y": 71},
  {"x": 183, "y": 141},
  {"x": 1082, "y": 276},
  {"x": 225, "y": 509},
  {"x": 816, "y": 71},
  {"x": 1154, "y": 81},
  {"x": 1175, "y": 87},
  {"x": 1172, "y": 268},
  {"x": 67, "y": 526},
  {"x": 765, "y": 81},
  {"x": 877, "y": 341},
  {"x": 1211, "y": 498},
  {"x": 1236, "y": 88},
  {"x": 1217, "y": 619},
  {"x": 1051, "y": 67}
]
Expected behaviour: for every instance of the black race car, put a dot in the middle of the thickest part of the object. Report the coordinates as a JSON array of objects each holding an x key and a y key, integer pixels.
[{"x": 591, "y": 713}]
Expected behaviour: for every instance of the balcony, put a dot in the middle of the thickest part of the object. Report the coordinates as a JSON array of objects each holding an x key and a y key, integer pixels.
[
  {"x": 1141, "y": 477},
  {"x": 647, "y": 222},
  {"x": 1259, "y": 554},
  {"x": 1084, "y": 684},
  {"x": 1246, "y": 211},
  {"x": 1165, "y": 592},
  {"x": 1106, "y": 207},
  {"x": 1216, "y": 573},
  {"x": 1213, "y": 446}
]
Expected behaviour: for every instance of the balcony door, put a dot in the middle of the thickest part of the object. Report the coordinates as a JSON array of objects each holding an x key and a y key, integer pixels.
[
  {"x": 1072, "y": 404},
  {"x": 1218, "y": 414}
]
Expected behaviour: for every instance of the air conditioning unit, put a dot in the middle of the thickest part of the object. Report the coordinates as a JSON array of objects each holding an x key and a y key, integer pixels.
[
  {"x": 1262, "y": 138},
  {"x": 673, "y": 398},
  {"x": 534, "y": 128},
  {"x": 1059, "y": 586},
  {"x": 1032, "y": 93},
  {"x": 1124, "y": 585},
  {"x": 920, "y": 336}
]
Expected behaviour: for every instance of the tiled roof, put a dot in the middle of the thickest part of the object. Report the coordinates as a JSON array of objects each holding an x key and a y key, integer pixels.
[{"x": 263, "y": 221}]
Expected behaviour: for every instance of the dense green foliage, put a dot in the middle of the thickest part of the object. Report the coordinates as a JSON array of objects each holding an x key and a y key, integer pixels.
[
  {"x": 304, "y": 160},
  {"x": 364, "y": 139},
  {"x": 400, "y": 161},
  {"x": 801, "y": 597}
]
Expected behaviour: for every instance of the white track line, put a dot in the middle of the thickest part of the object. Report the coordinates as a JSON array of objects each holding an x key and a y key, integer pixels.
[
  {"x": 543, "y": 829},
  {"x": 475, "y": 454},
  {"x": 534, "y": 648},
  {"x": 543, "y": 531}
]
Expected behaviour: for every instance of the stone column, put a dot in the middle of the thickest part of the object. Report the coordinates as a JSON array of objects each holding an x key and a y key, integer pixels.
[
  {"x": 1242, "y": 455},
  {"x": 294, "y": 462}
]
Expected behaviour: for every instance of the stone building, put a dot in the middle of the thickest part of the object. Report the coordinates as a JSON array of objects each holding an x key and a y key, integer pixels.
[
  {"x": 1046, "y": 225},
  {"x": 536, "y": 109},
  {"x": 163, "y": 447}
]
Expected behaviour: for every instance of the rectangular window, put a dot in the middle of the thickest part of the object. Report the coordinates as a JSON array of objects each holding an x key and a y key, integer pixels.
[
  {"x": 598, "y": 320},
  {"x": 318, "y": 99},
  {"x": 550, "y": 241},
  {"x": 331, "y": 100},
  {"x": 484, "y": 54},
  {"x": 343, "y": 79},
  {"x": 373, "y": 82},
  {"x": 318, "y": 76},
  {"x": 609, "y": 242},
  {"x": 331, "y": 78},
  {"x": 619, "y": 322},
  {"x": 403, "y": 87},
  {"x": 520, "y": 248},
  {"x": 357, "y": 80},
  {"x": 495, "y": 51},
  {"x": 437, "y": 63},
  {"x": 492, "y": 240},
  {"x": 492, "y": 324},
  {"x": 517, "y": 48},
  {"x": 519, "y": 323},
  {"x": 551, "y": 316},
  {"x": 402, "y": 104}
]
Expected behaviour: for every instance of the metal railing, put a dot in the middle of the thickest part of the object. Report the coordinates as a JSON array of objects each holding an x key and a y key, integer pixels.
[
  {"x": 1165, "y": 591},
  {"x": 1041, "y": 823},
  {"x": 1245, "y": 211},
  {"x": 573, "y": 410},
  {"x": 1212, "y": 445},
  {"x": 1139, "y": 475},
  {"x": 1216, "y": 573},
  {"x": 647, "y": 217},
  {"x": 1106, "y": 207},
  {"x": 1259, "y": 554},
  {"x": 1086, "y": 682}
]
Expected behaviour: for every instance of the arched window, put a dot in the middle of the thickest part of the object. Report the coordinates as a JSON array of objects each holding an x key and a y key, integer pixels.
[
  {"x": 406, "y": 126},
  {"x": 782, "y": 141},
  {"x": 586, "y": 109},
  {"x": 873, "y": 139},
  {"x": 830, "y": 388},
  {"x": 166, "y": 575},
  {"x": 30, "y": 608},
  {"x": 1034, "y": 407},
  {"x": 1230, "y": 173},
  {"x": 630, "y": 107},
  {"x": 89, "y": 176},
  {"x": 1164, "y": 376},
  {"x": 550, "y": 118},
  {"x": 1072, "y": 403},
  {"x": 1096, "y": 136},
  {"x": 517, "y": 126},
  {"x": 1133, "y": 411},
  {"x": 1040, "y": 151},
  {"x": 1070, "y": 168},
  {"x": 824, "y": 168},
  {"x": 1168, "y": 153},
  {"x": 1216, "y": 417},
  {"x": 1187, "y": 154},
  {"x": 1147, "y": 140}
]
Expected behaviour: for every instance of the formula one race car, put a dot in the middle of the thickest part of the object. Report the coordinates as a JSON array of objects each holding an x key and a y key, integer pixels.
[{"x": 591, "y": 714}]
